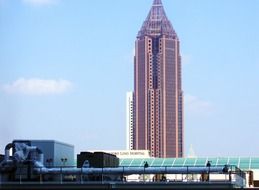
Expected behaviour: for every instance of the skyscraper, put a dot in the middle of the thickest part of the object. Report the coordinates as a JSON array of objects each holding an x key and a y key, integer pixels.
[
  {"x": 129, "y": 121},
  {"x": 158, "y": 96}
]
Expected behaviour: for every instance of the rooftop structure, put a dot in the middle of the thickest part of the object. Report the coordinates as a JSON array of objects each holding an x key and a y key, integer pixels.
[{"x": 244, "y": 163}]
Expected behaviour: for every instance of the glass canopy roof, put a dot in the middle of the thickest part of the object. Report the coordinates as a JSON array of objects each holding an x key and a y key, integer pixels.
[{"x": 244, "y": 163}]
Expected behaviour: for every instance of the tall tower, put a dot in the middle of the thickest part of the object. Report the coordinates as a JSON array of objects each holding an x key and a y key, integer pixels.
[{"x": 158, "y": 96}]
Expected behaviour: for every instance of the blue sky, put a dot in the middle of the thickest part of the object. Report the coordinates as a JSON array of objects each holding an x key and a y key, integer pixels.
[{"x": 66, "y": 65}]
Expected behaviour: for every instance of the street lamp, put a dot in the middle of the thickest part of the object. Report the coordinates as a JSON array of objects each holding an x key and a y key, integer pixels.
[
  {"x": 64, "y": 160},
  {"x": 145, "y": 166},
  {"x": 49, "y": 161},
  {"x": 208, "y": 165}
]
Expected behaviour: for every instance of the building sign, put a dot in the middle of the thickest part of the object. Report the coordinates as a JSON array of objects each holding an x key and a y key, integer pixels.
[{"x": 127, "y": 153}]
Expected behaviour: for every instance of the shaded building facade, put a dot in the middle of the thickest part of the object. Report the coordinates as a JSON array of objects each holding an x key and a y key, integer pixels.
[
  {"x": 158, "y": 96},
  {"x": 129, "y": 121}
]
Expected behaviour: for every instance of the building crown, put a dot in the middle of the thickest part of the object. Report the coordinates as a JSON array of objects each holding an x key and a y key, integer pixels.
[
  {"x": 157, "y": 23},
  {"x": 157, "y": 2}
]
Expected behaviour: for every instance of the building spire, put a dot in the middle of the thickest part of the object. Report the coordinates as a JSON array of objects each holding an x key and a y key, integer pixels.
[
  {"x": 157, "y": 2},
  {"x": 157, "y": 23}
]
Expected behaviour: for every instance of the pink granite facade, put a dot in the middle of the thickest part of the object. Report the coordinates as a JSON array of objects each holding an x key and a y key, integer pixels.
[{"x": 158, "y": 96}]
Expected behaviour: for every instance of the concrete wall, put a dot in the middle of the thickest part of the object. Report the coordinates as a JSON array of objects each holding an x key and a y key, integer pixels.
[
  {"x": 62, "y": 150},
  {"x": 54, "y": 151},
  {"x": 48, "y": 150}
]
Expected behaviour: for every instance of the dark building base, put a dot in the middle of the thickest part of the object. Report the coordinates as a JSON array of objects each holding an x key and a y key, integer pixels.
[
  {"x": 97, "y": 160},
  {"x": 118, "y": 186}
]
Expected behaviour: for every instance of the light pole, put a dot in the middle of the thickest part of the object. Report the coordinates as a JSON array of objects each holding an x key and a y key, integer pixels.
[
  {"x": 145, "y": 166},
  {"x": 64, "y": 160},
  {"x": 208, "y": 165},
  {"x": 49, "y": 161}
]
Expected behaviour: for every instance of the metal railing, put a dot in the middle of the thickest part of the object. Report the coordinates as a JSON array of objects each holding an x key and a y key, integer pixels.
[{"x": 26, "y": 174}]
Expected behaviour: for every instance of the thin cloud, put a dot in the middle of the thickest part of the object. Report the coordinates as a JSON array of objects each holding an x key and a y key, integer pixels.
[
  {"x": 37, "y": 86},
  {"x": 40, "y": 2},
  {"x": 196, "y": 106}
]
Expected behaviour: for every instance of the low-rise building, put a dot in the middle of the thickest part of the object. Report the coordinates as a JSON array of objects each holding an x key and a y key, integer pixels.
[{"x": 56, "y": 154}]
